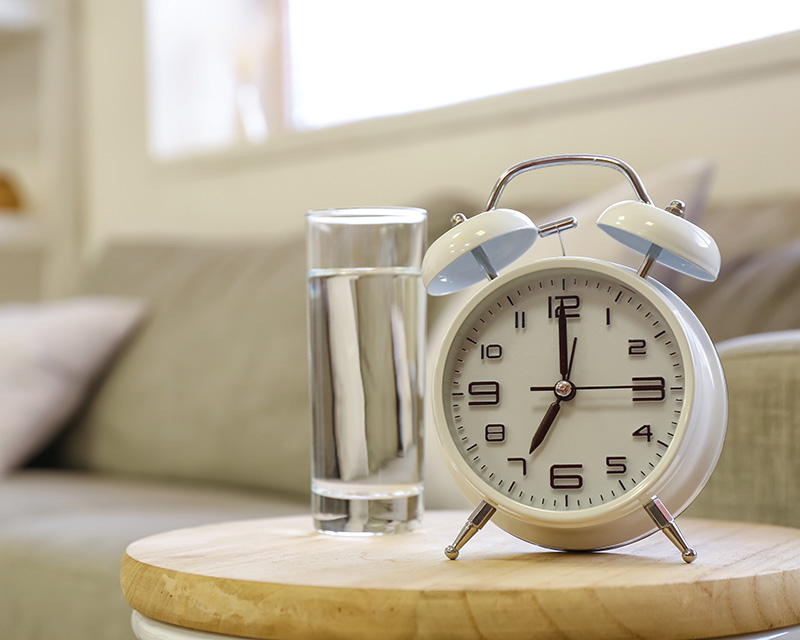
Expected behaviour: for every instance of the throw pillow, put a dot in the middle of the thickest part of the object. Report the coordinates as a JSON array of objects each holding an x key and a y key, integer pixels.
[{"x": 50, "y": 353}]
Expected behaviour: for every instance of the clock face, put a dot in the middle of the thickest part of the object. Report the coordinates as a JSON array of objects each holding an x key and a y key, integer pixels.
[{"x": 564, "y": 390}]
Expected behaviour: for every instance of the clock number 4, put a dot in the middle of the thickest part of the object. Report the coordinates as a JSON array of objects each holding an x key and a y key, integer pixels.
[
  {"x": 644, "y": 432},
  {"x": 486, "y": 393}
]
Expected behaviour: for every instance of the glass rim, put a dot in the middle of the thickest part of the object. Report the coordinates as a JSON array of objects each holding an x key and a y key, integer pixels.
[{"x": 403, "y": 214}]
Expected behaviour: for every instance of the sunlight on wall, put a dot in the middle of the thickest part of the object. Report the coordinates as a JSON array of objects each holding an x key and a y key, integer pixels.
[{"x": 215, "y": 66}]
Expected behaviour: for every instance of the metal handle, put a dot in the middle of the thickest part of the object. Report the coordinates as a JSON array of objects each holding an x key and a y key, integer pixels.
[{"x": 577, "y": 159}]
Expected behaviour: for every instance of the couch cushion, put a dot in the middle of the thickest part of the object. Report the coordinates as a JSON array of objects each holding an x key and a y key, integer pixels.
[
  {"x": 215, "y": 388},
  {"x": 62, "y": 536},
  {"x": 757, "y": 476}
]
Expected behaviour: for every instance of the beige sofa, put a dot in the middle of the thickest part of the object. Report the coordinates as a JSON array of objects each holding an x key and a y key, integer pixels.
[{"x": 203, "y": 416}]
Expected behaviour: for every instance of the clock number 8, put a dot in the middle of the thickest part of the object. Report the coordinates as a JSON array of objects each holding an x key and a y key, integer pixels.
[{"x": 495, "y": 433}]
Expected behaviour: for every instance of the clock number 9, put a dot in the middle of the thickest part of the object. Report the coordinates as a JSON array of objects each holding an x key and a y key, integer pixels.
[{"x": 487, "y": 392}]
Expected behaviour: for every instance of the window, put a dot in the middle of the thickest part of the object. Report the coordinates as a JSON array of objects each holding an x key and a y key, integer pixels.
[{"x": 225, "y": 72}]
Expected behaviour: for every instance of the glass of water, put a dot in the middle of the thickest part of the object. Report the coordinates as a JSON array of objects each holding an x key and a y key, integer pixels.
[{"x": 366, "y": 321}]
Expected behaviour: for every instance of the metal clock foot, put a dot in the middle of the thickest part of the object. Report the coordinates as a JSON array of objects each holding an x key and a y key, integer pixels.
[
  {"x": 477, "y": 519},
  {"x": 666, "y": 523}
]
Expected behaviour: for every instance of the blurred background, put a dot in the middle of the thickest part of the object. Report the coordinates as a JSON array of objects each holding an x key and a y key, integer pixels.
[{"x": 234, "y": 117}]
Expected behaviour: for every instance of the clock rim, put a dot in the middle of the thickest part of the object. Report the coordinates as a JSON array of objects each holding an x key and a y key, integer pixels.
[{"x": 680, "y": 320}]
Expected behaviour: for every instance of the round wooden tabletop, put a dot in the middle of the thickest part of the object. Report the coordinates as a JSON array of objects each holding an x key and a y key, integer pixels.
[{"x": 279, "y": 579}]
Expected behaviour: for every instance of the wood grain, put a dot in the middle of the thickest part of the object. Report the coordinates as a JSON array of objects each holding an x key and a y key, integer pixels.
[{"x": 277, "y": 578}]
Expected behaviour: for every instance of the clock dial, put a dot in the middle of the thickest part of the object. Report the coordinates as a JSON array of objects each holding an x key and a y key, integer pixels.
[{"x": 564, "y": 390}]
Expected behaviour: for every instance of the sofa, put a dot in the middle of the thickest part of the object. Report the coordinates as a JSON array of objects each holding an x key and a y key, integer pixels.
[{"x": 195, "y": 409}]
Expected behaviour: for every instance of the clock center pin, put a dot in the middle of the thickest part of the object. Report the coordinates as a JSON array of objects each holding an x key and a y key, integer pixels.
[{"x": 564, "y": 389}]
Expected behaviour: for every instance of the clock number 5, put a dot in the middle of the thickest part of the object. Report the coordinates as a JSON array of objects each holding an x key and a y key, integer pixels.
[
  {"x": 616, "y": 465},
  {"x": 487, "y": 393}
]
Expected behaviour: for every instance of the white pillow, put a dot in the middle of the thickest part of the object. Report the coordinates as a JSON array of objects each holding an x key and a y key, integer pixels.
[{"x": 50, "y": 353}]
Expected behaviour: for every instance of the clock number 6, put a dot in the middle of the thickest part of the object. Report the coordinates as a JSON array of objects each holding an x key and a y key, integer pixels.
[{"x": 561, "y": 480}]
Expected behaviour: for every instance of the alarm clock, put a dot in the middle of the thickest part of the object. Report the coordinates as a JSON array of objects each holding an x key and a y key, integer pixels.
[{"x": 580, "y": 403}]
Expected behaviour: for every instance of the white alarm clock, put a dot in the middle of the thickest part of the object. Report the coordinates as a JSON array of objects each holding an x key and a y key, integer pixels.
[{"x": 580, "y": 403}]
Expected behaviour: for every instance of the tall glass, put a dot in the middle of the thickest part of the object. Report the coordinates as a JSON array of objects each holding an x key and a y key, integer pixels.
[{"x": 366, "y": 321}]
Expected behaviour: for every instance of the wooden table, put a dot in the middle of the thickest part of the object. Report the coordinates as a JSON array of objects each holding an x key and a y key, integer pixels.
[{"x": 277, "y": 578}]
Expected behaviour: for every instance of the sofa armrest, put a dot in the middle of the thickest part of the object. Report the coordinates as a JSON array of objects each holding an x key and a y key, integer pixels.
[{"x": 758, "y": 475}]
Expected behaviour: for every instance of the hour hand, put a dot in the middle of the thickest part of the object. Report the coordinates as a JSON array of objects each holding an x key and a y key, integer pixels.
[{"x": 545, "y": 424}]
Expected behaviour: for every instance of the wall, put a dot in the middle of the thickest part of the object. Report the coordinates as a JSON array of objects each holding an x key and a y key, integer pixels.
[{"x": 737, "y": 106}]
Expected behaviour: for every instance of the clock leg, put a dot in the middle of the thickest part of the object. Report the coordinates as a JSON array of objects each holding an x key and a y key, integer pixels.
[
  {"x": 666, "y": 523},
  {"x": 477, "y": 519}
]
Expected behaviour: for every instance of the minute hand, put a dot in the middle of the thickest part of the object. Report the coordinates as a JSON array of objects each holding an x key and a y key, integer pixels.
[{"x": 655, "y": 384}]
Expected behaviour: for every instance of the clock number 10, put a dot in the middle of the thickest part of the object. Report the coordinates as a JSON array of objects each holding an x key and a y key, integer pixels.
[{"x": 491, "y": 352}]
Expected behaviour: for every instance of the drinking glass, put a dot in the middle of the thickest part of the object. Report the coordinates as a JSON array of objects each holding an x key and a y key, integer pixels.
[{"x": 366, "y": 321}]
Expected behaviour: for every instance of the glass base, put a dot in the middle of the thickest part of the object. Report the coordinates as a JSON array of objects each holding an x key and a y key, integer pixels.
[{"x": 376, "y": 516}]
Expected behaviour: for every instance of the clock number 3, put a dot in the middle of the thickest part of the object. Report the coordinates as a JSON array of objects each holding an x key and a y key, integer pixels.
[{"x": 649, "y": 389}]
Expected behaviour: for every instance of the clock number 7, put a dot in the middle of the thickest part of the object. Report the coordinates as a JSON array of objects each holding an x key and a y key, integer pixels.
[{"x": 487, "y": 393}]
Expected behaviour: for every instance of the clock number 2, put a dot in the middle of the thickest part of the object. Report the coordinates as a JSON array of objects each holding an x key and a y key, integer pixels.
[{"x": 487, "y": 393}]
